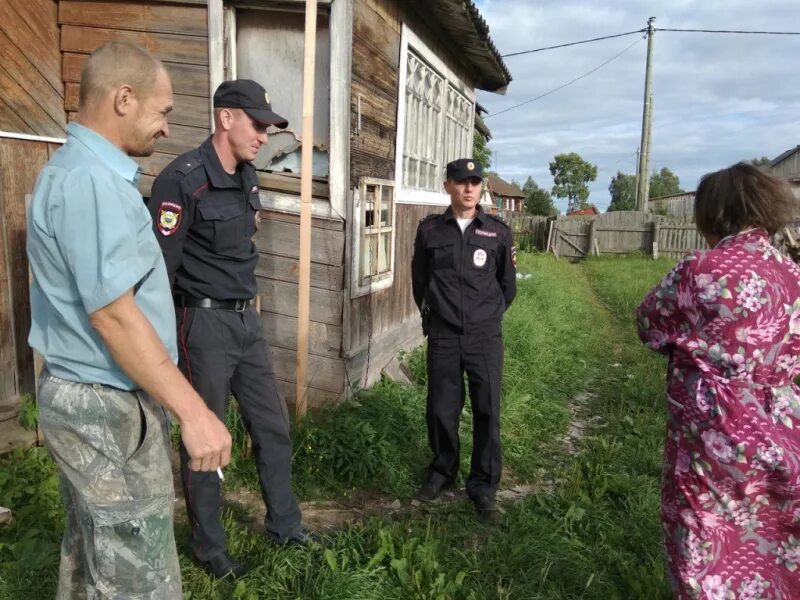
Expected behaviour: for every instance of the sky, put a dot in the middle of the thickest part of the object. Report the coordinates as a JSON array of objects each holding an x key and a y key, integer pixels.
[{"x": 717, "y": 98}]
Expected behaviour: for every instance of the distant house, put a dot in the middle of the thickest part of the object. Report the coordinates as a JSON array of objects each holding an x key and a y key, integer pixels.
[
  {"x": 680, "y": 206},
  {"x": 590, "y": 211},
  {"x": 505, "y": 196},
  {"x": 788, "y": 165}
]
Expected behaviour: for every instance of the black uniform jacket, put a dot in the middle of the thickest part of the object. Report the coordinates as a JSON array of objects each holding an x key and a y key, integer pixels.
[
  {"x": 468, "y": 280},
  {"x": 205, "y": 219}
]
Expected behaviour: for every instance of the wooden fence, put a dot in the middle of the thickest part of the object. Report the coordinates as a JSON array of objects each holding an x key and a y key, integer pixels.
[{"x": 619, "y": 232}]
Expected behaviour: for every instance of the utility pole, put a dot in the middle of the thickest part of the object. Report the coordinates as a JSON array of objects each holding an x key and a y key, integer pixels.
[{"x": 643, "y": 174}]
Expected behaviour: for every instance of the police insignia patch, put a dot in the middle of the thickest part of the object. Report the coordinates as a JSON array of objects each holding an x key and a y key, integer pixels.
[
  {"x": 470, "y": 166},
  {"x": 479, "y": 258},
  {"x": 169, "y": 217},
  {"x": 514, "y": 255}
]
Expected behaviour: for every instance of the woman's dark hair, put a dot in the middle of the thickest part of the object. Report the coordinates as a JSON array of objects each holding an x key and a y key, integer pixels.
[{"x": 742, "y": 196}]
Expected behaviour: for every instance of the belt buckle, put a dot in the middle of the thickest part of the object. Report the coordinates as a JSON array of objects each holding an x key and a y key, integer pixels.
[{"x": 241, "y": 305}]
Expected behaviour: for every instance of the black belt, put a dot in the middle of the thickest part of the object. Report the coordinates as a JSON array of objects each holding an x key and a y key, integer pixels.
[{"x": 192, "y": 302}]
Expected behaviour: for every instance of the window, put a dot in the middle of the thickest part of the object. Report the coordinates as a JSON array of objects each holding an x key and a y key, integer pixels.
[
  {"x": 435, "y": 125},
  {"x": 374, "y": 213}
]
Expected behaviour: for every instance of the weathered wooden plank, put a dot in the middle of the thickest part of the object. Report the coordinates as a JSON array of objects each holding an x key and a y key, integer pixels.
[
  {"x": 192, "y": 111},
  {"x": 17, "y": 24},
  {"x": 373, "y": 73},
  {"x": 10, "y": 120},
  {"x": 188, "y": 80},
  {"x": 316, "y": 398},
  {"x": 367, "y": 165},
  {"x": 281, "y": 297},
  {"x": 145, "y": 185},
  {"x": 290, "y": 184},
  {"x": 316, "y": 222},
  {"x": 323, "y": 276},
  {"x": 282, "y": 239},
  {"x": 324, "y": 339},
  {"x": 374, "y": 32},
  {"x": 20, "y": 163},
  {"x": 165, "y": 46},
  {"x": 8, "y": 352},
  {"x": 323, "y": 373},
  {"x": 31, "y": 81},
  {"x": 374, "y": 139},
  {"x": 375, "y": 106},
  {"x": 181, "y": 139},
  {"x": 137, "y": 16},
  {"x": 18, "y": 100}
]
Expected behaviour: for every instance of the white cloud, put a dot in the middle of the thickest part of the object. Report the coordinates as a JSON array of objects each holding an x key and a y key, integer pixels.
[{"x": 717, "y": 98}]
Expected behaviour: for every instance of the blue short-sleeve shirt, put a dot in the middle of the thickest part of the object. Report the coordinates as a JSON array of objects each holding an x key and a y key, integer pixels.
[{"x": 90, "y": 240}]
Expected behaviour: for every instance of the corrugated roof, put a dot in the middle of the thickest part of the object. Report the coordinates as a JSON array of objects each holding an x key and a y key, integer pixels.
[
  {"x": 784, "y": 156},
  {"x": 503, "y": 188},
  {"x": 461, "y": 21}
]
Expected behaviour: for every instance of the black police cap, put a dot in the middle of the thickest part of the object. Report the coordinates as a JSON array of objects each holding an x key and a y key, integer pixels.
[
  {"x": 464, "y": 168},
  {"x": 252, "y": 98}
]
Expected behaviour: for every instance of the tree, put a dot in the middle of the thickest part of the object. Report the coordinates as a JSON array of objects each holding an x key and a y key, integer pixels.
[
  {"x": 538, "y": 201},
  {"x": 623, "y": 192},
  {"x": 571, "y": 174},
  {"x": 481, "y": 151},
  {"x": 664, "y": 183},
  {"x": 760, "y": 162}
]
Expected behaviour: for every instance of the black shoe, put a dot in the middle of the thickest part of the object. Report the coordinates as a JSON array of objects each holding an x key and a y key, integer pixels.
[
  {"x": 488, "y": 512},
  {"x": 299, "y": 538},
  {"x": 222, "y": 565},
  {"x": 430, "y": 491}
]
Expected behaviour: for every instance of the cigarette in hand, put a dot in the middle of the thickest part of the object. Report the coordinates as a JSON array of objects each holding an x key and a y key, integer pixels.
[{"x": 221, "y": 476}]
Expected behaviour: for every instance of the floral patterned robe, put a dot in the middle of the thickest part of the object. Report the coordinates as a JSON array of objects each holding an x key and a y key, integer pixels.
[{"x": 730, "y": 320}]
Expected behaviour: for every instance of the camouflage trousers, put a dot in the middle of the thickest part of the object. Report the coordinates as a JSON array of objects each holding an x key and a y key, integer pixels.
[{"x": 112, "y": 451}]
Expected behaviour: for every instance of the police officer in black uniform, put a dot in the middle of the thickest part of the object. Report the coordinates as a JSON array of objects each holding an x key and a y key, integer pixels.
[
  {"x": 205, "y": 212},
  {"x": 464, "y": 279}
]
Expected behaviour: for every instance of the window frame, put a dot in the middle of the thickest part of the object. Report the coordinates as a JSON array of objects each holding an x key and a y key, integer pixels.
[
  {"x": 362, "y": 285},
  {"x": 408, "y": 195}
]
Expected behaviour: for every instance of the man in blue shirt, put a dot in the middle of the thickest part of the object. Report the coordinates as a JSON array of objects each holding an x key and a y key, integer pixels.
[{"x": 102, "y": 320}]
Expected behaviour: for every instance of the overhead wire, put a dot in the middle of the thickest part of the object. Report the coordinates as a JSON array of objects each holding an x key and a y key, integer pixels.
[{"x": 561, "y": 87}]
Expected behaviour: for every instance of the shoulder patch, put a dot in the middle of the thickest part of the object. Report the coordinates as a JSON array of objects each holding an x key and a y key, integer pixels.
[
  {"x": 188, "y": 165},
  {"x": 169, "y": 218}
]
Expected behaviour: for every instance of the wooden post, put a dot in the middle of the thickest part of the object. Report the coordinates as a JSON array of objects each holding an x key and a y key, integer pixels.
[
  {"x": 304, "y": 288},
  {"x": 549, "y": 236},
  {"x": 656, "y": 232},
  {"x": 592, "y": 236}
]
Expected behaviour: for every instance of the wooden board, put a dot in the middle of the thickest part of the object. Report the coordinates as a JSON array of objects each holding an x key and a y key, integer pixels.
[
  {"x": 24, "y": 29},
  {"x": 181, "y": 139},
  {"x": 323, "y": 276},
  {"x": 323, "y": 373},
  {"x": 12, "y": 436},
  {"x": 283, "y": 239},
  {"x": 10, "y": 120},
  {"x": 19, "y": 101},
  {"x": 280, "y": 297},
  {"x": 193, "y": 111},
  {"x": 20, "y": 162},
  {"x": 324, "y": 339},
  {"x": 316, "y": 397},
  {"x": 289, "y": 183},
  {"x": 137, "y": 16},
  {"x": 166, "y": 46},
  {"x": 189, "y": 80}
]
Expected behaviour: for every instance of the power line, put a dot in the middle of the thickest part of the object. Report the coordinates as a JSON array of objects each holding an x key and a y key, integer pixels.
[
  {"x": 731, "y": 31},
  {"x": 616, "y": 35},
  {"x": 605, "y": 37},
  {"x": 561, "y": 87}
]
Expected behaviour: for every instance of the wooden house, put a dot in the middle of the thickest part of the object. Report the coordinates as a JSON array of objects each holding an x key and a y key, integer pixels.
[
  {"x": 787, "y": 165},
  {"x": 506, "y": 197},
  {"x": 395, "y": 97}
]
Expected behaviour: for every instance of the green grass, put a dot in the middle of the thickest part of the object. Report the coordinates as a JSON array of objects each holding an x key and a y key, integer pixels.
[{"x": 590, "y": 531}]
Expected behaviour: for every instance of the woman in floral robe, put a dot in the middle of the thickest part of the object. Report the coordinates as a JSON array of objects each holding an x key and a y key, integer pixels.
[{"x": 729, "y": 319}]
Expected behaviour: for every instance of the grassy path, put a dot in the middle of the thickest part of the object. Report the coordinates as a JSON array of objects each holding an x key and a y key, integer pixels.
[{"x": 582, "y": 423}]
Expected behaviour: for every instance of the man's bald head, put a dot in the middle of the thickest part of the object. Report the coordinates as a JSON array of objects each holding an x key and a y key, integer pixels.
[{"x": 113, "y": 65}]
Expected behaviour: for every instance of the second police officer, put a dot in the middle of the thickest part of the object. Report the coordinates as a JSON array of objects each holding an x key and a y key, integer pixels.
[
  {"x": 464, "y": 279},
  {"x": 205, "y": 212}
]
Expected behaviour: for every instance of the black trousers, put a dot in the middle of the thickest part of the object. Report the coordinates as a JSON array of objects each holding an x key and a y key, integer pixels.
[
  {"x": 481, "y": 358},
  {"x": 224, "y": 352}
]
